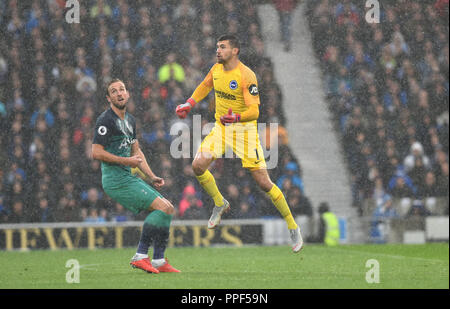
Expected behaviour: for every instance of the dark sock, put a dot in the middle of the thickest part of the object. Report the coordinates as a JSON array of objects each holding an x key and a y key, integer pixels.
[
  {"x": 160, "y": 243},
  {"x": 156, "y": 231},
  {"x": 146, "y": 239}
]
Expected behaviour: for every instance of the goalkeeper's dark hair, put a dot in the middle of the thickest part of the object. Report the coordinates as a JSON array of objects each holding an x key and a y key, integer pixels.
[
  {"x": 234, "y": 41},
  {"x": 114, "y": 80}
]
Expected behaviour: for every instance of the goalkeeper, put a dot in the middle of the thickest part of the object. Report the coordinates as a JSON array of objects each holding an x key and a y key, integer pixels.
[{"x": 237, "y": 111}]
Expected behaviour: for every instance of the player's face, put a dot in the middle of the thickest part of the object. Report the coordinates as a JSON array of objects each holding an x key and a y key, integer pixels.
[
  {"x": 118, "y": 95},
  {"x": 225, "y": 52}
]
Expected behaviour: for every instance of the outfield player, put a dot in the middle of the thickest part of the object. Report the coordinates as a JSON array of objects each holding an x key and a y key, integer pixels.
[
  {"x": 237, "y": 111},
  {"x": 116, "y": 146}
]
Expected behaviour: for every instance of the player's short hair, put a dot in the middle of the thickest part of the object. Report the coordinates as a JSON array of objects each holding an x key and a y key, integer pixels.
[
  {"x": 234, "y": 41},
  {"x": 114, "y": 80}
]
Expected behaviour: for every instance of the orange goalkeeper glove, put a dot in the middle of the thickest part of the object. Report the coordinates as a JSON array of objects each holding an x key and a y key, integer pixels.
[
  {"x": 183, "y": 109},
  {"x": 230, "y": 117}
]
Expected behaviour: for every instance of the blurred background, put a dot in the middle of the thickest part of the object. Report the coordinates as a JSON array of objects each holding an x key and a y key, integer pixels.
[{"x": 362, "y": 108}]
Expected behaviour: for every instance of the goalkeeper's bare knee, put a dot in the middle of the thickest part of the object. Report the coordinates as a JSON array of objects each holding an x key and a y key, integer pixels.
[{"x": 201, "y": 163}]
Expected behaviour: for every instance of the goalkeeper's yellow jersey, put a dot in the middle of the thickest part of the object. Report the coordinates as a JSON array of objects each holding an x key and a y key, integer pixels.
[{"x": 236, "y": 89}]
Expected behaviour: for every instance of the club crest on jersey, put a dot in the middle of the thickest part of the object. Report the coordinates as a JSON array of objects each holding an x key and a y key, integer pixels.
[{"x": 233, "y": 85}]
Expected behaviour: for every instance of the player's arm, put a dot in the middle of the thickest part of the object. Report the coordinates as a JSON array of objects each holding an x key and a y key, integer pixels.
[
  {"x": 144, "y": 167},
  {"x": 251, "y": 114},
  {"x": 251, "y": 97},
  {"x": 99, "y": 153},
  {"x": 199, "y": 94}
]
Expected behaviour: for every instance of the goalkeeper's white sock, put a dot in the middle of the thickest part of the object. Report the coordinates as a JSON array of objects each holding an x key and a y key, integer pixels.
[
  {"x": 158, "y": 263},
  {"x": 139, "y": 256}
]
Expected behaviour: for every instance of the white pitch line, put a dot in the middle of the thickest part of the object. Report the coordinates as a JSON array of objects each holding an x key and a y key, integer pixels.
[{"x": 399, "y": 257}]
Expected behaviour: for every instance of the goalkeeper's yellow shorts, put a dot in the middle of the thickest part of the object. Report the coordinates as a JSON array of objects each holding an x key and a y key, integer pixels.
[{"x": 241, "y": 139}]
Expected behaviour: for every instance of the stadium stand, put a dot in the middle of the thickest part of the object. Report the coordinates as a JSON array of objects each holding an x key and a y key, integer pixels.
[
  {"x": 52, "y": 80},
  {"x": 387, "y": 86}
]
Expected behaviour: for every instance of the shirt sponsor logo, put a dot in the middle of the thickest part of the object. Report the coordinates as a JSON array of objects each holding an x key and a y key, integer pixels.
[
  {"x": 126, "y": 142},
  {"x": 224, "y": 95},
  {"x": 253, "y": 89}
]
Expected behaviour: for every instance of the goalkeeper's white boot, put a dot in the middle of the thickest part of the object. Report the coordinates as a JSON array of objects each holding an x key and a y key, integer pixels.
[
  {"x": 217, "y": 214},
  {"x": 296, "y": 239}
]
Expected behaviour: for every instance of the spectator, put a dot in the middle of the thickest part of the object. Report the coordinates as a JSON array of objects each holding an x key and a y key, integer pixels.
[
  {"x": 91, "y": 175},
  {"x": 43, "y": 212},
  {"x": 385, "y": 209},
  {"x": 17, "y": 192},
  {"x": 100, "y": 9},
  {"x": 15, "y": 173},
  {"x": 328, "y": 232},
  {"x": 291, "y": 172},
  {"x": 416, "y": 152},
  {"x": 67, "y": 210},
  {"x": 417, "y": 173},
  {"x": 93, "y": 200},
  {"x": 233, "y": 197},
  {"x": 184, "y": 10},
  {"x": 171, "y": 70},
  {"x": 245, "y": 211},
  {"x": 417, "y": 209},
  {"x": 251, "y": 207},
  {"x": 285, "y": 9},
  {"x": 123, "y": 43},
  {"x": 378, "y": 191},
  {"x": 299, "y": 203},
  {"x": 188, "y": 200},
  {"x": 95, "y": 217},
  {"x": 402, "y": 186},
  {"x": 195, "y": 209},
  {"x": 45, "y": 113},
  {"x": 17, "y": 213},
  {"x": 383, "y": 212},
  {"x": 120, "y": 214},
  {"x": 165, "y": 40}
]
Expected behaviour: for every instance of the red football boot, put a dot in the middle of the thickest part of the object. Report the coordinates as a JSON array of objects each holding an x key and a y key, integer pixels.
[
  {"x": 145, "y": 265},
  {"x": 167, "y": 268}
]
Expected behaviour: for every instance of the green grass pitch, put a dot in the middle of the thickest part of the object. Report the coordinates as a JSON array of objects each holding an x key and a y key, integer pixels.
[{"x": 248, "y": 267}]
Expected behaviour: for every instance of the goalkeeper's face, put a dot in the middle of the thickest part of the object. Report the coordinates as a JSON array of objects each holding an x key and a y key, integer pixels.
[
  {"x": 225, "y": 52},
  {"x": 118, "y": 95}
]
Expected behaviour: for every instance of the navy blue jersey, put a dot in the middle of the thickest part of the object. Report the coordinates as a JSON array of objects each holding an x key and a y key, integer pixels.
[{"x": 116, "y": 136}]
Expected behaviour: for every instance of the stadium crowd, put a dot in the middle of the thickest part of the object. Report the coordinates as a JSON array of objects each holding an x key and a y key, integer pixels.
[
  {"x": 52, "y": 88},
  {"x": 387, "y": 85}
]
